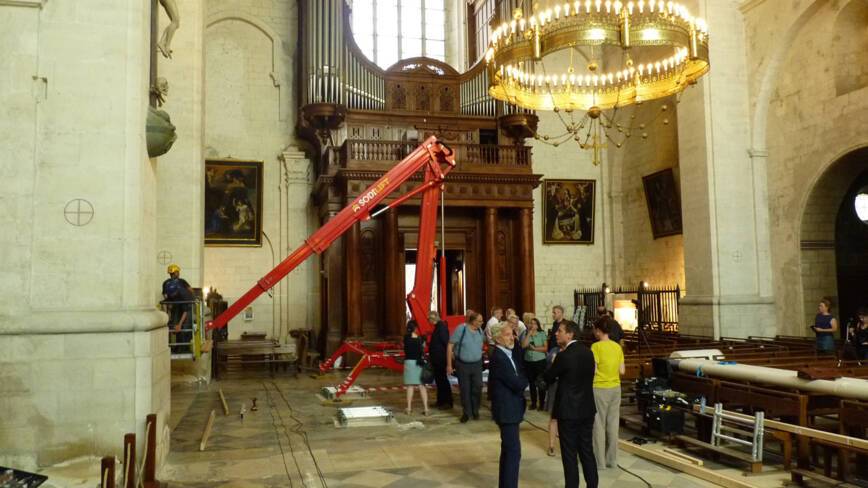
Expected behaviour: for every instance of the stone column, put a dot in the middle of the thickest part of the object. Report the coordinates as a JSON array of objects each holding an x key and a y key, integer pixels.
[
  {"x": 83, "y": 348},
  {"x": 300, "y": 289},
  {"x": 489, "y": 234},
  {"x": 525, "y": 259},
  {"x": 724, "y": 197},
  {"x": 181, "y": 171}
]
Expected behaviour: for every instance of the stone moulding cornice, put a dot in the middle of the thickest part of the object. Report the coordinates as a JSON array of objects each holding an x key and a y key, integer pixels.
[
  {"x": 23, "y": 3},
  {"x": 83, "y": 322},
  {"x": 749, "y": 5}
]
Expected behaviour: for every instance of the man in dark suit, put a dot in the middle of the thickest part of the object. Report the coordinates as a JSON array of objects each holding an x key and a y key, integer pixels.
[
  {"x": 506, "y": 384},
  {"x": 574, "y": 408},
  {"x": 437, "y": 351}
]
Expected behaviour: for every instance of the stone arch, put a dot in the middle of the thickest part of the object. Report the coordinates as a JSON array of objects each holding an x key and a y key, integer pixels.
[
  {"x": 817, "y": 225},
  {"x": 278, "y": 68},
  {"x": 850, "y": 45},
  {"x": 772, "y": 71}
]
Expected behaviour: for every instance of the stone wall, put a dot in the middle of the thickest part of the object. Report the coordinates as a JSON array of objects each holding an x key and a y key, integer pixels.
[
  {"x": 638, "y": 255},
  {"x": 180, "y": 172},
  {"x": 561, "y": 268},
  {"x": 83, "y": 355},
  {"x": 251, "y": 114},
  {"x": 806, "y": 126}
]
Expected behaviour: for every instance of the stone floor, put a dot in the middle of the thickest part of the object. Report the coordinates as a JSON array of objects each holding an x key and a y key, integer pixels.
[{"x": 292, "y": 440}]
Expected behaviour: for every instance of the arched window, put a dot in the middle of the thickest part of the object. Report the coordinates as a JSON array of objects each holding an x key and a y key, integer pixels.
[
  {"x": 390, "y": 30},
  {"x": 860, "y": 203}
]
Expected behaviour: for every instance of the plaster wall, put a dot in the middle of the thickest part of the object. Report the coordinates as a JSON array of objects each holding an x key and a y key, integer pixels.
[
  {"x": 561, "y": 268},
  {"x": 251, "y": 113},
  {"x": 180, "y": 172},
  {"x": 83, "y": 356},
  {"x": 638, "y": 255}
]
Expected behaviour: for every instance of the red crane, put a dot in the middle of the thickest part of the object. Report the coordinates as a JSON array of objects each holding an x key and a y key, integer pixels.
[{"x": 435, "y": 160}]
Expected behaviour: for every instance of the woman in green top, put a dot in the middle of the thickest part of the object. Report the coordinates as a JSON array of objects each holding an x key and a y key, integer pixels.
[{"x": 534, "y": 345}]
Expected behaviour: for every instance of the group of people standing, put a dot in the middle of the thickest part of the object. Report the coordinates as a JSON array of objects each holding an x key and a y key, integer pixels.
[{"x": 580, "y": 387}]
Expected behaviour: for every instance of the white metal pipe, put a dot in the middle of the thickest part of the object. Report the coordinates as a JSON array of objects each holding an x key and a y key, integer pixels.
[{"x": 842, "y": 387}]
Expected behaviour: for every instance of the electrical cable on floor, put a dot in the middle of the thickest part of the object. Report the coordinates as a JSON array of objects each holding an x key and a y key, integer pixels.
[
  {"x": 619, "y": 466},
  {"x": 298, "y": 429},
  {"x": 636, "y": 475},
  {"x": 279, "y": 443}
]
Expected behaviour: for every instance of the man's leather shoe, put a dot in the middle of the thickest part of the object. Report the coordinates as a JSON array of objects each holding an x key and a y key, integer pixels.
[
  {"x": 476, "y": 417},
  {"x": 464, "y": 419}
]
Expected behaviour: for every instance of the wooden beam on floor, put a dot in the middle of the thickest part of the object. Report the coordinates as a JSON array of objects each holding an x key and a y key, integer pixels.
[
  {"x": 223, "y": 401},
  {"x": 207, "y": 432},
  {"x": 658, "y": 456},
  {"x": 683, "y": 456}
]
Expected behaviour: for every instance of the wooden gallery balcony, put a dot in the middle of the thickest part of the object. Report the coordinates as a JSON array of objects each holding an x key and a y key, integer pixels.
[{"x": 364, "y": 154}]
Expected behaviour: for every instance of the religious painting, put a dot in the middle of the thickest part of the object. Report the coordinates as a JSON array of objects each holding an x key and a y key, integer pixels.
[
  {"x": 568, "y": 211},
  {"x": 233, "y": 203},
  {"x": 664, "y": 204}
]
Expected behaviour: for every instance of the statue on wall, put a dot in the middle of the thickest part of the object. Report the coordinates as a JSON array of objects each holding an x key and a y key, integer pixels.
[
  {"x": 165, "y": 42},
  {"x": 160, "y": 90},
  {"x": 160, "y": 132}
]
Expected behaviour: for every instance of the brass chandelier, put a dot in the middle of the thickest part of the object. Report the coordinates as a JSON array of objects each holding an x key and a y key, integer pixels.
[{"x": 648, "y": 50}]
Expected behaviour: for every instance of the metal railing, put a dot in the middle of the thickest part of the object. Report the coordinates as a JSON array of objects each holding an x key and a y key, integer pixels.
[
  {"x": 194, "y": 325},
  {"x": 657, "y": 307}
]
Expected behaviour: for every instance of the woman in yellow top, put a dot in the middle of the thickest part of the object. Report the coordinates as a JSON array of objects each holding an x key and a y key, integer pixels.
[{"x": 607, "y": 394}]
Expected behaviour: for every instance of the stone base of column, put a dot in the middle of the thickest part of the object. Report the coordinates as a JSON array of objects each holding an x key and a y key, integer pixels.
[
  {"x": 70, "y": 394},
  {"x": 729, "y": 316}
]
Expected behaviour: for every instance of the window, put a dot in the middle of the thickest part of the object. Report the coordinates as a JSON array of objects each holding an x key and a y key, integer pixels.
[
  {"x": 861, "y": 205},
  {"x": 390, "y": 30}
]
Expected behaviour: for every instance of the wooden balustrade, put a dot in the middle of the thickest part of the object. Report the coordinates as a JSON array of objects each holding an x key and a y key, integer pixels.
[{"x": 359, "y": 150}]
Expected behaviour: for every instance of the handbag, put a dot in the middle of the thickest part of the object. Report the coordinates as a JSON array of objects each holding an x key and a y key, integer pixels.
[{"x": 427, "y": 376}]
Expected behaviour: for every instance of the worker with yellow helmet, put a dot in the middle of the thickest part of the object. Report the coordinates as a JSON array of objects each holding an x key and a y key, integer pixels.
[{"x": 178, "y": 296}]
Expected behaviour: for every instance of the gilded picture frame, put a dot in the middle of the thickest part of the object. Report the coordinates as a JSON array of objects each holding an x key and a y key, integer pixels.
[
  {"x": 568, "y": 211},
  {"x": 664, "y": 203},
  {"x": 233, "y": 203}
]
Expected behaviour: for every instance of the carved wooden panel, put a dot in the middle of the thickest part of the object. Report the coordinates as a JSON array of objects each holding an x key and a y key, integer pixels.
[
  {"x": 372, "y": 267},
  {"x": 507, "y": 264}
]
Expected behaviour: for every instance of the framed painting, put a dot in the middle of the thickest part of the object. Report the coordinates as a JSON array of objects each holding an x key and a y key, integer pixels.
[
  {"x": 664, "y": 204},
  {"x": 233, "y": 203},
  {"x": 568, "y": 211}
]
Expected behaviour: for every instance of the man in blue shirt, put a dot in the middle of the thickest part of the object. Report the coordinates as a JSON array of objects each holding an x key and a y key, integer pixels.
[
  {"x": 465, "y": 354},
  {"x": 506, "y": 385}
]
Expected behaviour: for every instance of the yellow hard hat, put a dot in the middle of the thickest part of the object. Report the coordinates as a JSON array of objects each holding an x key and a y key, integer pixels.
[{"x": 173, "y": 268}]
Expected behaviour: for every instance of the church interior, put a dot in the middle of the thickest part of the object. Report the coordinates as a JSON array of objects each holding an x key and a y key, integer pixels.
[{"x": 227, "y": 221}]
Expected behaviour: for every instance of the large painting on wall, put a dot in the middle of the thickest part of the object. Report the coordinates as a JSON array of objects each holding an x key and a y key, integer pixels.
[
  {"x": 233, "y": 203},
  {"x": 664, "y": 204},
  {"x": 568, "y": 211}
]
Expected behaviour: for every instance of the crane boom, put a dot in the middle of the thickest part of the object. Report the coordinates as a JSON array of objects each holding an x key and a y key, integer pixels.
[{"x": 432, "y": 157}]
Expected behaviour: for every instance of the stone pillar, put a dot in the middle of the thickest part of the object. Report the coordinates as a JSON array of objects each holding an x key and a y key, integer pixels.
[
  {"x": 724, "y": 198},
  {"x": 489, "y": 236},
  {"x": 83, "y": 348},
  {"x": 300, "y": 289},
  {"x": 525, "y": 259},
  {"x": 181, "y": 171}
]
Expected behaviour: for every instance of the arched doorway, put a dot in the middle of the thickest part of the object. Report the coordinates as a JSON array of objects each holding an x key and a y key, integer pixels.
[
  {"x": 851, "y": 249},
  {"x": 834, "y": 241}
]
